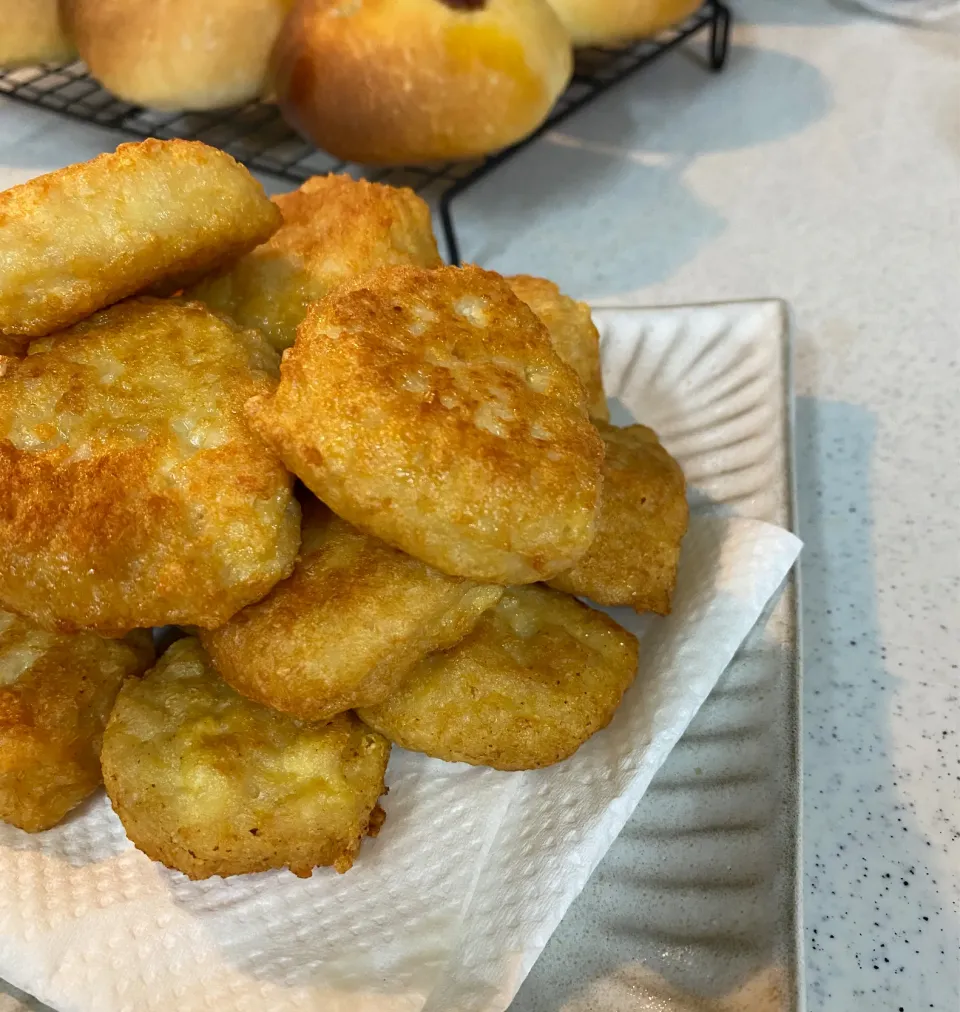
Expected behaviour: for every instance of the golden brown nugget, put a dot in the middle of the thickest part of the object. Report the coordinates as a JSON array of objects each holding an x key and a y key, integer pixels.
[
  {"x": 152, "y": 213},
  {"x": 56, "y": 693},
  {"x": 572, "y": 332},
  {"x": 539, "y": 674},
  {"x": 346, "y": 627},
  {"x": 633, "y": 559},
  {"x": 429, "y": 409},
  {"x": 132, "y": 491},
  {"x": 31, "y": 32},
  {"x": 335, "y": 229},
  {"x": 210, "y": 783}
]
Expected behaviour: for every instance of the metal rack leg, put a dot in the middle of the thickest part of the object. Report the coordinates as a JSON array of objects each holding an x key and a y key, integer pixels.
[
  {"x": 719, "y": 34},
  {"x": 449, "y": 232},
  {"x": 718, "y": 43}
]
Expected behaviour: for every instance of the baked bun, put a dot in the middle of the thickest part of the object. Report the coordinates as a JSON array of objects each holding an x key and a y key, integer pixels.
[
  {"x": 31, "y": 32},
  {"x": 595, "y": 22},
  {"x": 419, "y": 80},
  {"x": 176, "y": 54}
]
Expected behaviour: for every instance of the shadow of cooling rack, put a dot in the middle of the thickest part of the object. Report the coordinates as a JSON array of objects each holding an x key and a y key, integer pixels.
[{"x": 256, "y": 135}]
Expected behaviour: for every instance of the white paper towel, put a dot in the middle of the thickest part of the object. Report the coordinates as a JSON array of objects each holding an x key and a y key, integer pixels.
[{"x": 445, "y": 912}]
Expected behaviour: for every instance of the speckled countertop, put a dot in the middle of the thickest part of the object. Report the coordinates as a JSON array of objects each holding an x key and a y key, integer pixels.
[{"x": 823, "y": 166}]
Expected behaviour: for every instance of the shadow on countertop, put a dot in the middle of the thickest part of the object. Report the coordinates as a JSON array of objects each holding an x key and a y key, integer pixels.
[
  {"x": 891, "y": 927},
  {"x": 603, "y": 205}
]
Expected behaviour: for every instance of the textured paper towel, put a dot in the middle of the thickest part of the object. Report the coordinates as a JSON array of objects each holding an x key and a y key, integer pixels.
[{"x": 446, "y": 910}]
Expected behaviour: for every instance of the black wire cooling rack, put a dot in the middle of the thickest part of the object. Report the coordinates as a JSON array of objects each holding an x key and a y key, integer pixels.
[{"x": 256, "y": 135}]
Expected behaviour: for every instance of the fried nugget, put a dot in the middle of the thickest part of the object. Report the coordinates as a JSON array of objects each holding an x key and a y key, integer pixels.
[
  {"x": 347, "y": 626},
  {"x": 572, "y": 332},
  {"x": 210, "y": 783},
  {"x": 55, "y": 696},
  {"x": 335, "y": 228},
  {"x": 132, "y": 491},
  {"x": 429, "y": 409},
  {"x": 539, "y": 674},
  {"x": 152, "y": 213},
  {"x": 633, "y": 559}
]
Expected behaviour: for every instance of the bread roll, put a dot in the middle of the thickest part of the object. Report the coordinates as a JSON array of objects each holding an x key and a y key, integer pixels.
[
  {"x": 177, "y": 54},
  {"x": 389, "y": 81},
  {"x": 31, "y": 32},
  {"x": 595, "y": 22}
]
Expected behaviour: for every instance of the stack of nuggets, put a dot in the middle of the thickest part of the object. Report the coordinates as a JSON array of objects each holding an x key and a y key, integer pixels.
[{"x": 449, "y": 430}]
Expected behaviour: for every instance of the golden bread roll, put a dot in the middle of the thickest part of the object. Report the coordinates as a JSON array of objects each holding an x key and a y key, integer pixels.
[
  {"x": 595, "y": 22},
  {"x": 387, "y": 81},
  {"x": 31, "y": 31},
  {"x": 572, "y": 331},
  {"x": 176, "y": 54},
  {"x": 633, "y": 559},
  {"x": 334, "y": 228}
]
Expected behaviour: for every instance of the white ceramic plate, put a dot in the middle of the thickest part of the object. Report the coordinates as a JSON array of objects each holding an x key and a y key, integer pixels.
[{"x": 696, "y": 906}]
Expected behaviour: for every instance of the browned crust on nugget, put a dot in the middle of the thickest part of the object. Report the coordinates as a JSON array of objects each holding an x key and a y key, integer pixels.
[
  {"x": 633, "y": 559},
  {"x": 573, "y": 333},
  {"x": 150, "y": 213},
  {"x": 539, "y": 674},
  {"x": 429, "y": 409},
  {"x": 346, "y": 627},
  {"x": 14, "y": 345},
  {"x": 132, "y": 491},
  {"x": 56, "y": 693},
  {"x": 210, "y": 783},
  {"x": 335, "y": 228}
]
